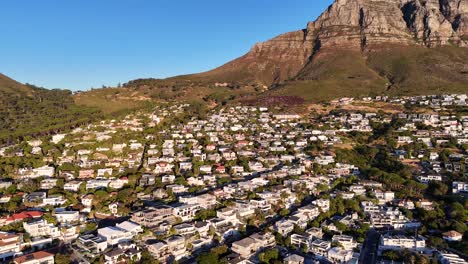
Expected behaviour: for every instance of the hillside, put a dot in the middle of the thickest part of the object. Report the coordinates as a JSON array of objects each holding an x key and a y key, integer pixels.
[
  {"x": 354, "y": 48},
  {"x": 363, "y": 47},
  {"x": 27, "y": 110},
  {"x": 393, "y": 71},
  {"x": 140, "y": 93}
]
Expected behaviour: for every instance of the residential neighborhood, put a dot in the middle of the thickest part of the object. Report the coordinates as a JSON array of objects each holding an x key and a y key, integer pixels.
[{"x": 369, "y": 180}]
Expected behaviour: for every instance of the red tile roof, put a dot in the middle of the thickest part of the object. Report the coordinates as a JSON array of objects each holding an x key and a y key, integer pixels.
[
  {"x": 24, "y": 215},
  {"x": 33, "y": 256}
]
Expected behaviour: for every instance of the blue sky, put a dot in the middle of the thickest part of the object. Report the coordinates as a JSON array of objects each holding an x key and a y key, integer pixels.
[{"x": 88, "y": 43}]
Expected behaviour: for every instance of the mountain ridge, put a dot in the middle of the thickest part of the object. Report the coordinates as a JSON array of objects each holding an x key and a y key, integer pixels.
[{"x": 353, "y": 25}]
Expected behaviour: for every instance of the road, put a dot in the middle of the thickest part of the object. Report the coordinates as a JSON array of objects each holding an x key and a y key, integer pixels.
[{"x": 369, "y": 248}]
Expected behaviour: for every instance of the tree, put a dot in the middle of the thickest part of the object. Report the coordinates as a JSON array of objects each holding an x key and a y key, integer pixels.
[
  {"x": 437, "y": 189},
  {"x": 390, "y": 254},
  {"x": 207, "y": 258},
  {"x": 204, "y": 214},
  {"x": 220, "y": 250},
  {"x": 90, "y": 227},
  {"x": 284, "y": 212},
  {"x": 147, "y": 258},
  {"x": 29, "y": 186},
  {"x": 50, "y": 219},
  {"x": 62, "y": 259},
  {"x": 268, "y": 255}
]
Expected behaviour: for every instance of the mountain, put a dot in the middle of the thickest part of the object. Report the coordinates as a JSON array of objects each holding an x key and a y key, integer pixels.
[
  {"x": 26, "y": 110},
  {"x": 366, "y": 47},
  {"x": 354, "y": 48}
]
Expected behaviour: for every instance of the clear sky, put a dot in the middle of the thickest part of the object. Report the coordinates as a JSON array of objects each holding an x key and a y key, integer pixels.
[{"x": 89, "y": 43}]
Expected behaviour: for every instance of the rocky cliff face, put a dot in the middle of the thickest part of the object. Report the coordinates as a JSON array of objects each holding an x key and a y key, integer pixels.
[
  {"x": 358, "y": 25},
  {"x": 365, "y": 23}
]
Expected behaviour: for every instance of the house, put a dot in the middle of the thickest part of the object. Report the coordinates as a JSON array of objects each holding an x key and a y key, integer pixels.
[
  {"x": 263, "y": 239},
  {"x": 205, "y": 169},
  {"x": 107, "y": 172},
  {"x": 114, "y": 208},
  {"x": 185, "y": 229},
  {"x": 97, "y": 183},
  {"x": 86, "y": 174},
  {"x": 244, "y": 247},
  {"x": 41, "y": 228},
  {"x": 159, "y": 250},
  {"x": 39, "y": 257},
  {"x": 152, "y": 216},
  {"x": 284, "y": 227},
  {"x": 220, "y": 169},
  {"x": 48, "y": 184},
  {"x": 69, "y": 232},
  {"x": 384, "y": 197},
  {"x": 448, "y": 258},
  {"x": 34, "y": 197},
  {"x": 168, "y": 178},
  {"x": 64, "y": 216},
  {"x": 206, "y": 200},
  {"x": 186, "y": 211},
  {"x": 87, "y": 200},
  {"x": 294, "y": 259},
  {"x": 398, "y": 242},
  {"x": 22, "y": 216},
  {"x": 177, "y": 188},
  {"x": 10, "y": 245},
  {"x": 130, "y": 227},
  {"x": 299, "y": 241},
  {"x": 72, "y": 186},
  {"x": 147, "y": 180},
  {"x": 185, "y": 166},
  {"x": 347, "y": 242},
  {"x": 339, "y": 255},
  {"x": 115, "y": 235},
  {"x": 425, "y": 204},
  {"x": 54, "y": 200},
  {"x": 92, "y": 243},
  {"x": 427, "y": 178},
  {"x": 452, "y": 236},
  {"x": 46, "y": 171},
  {"x": 57, "y": 138},
  {"x": 123, "y": 253},
  {"x": 200, "y": 243},
  {"x": 459, "y": 187},
  {"x": 163, "y": 168},
  {"x": 176, "y": 246},
  {"x": 315, "y": 232},
  {"x": 323, "y": 204},
  {"x": 320, "y": 247}
]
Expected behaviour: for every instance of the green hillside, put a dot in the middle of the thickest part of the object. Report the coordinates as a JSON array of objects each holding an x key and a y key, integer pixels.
[
  {"x": 389, "y": 70},
  {"x": 27, "y": 110}
]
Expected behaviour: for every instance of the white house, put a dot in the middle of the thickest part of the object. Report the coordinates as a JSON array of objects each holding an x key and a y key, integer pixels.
[
  {"x": 115, "y": 235},
  {"x": 67, "y": 216},
  {"x": 40, "y": 227},
  {"x": 397, "y": 242}
]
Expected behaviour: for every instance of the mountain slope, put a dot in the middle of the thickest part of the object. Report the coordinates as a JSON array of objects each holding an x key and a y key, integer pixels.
[
  {"x": 357, "y": 47},
  {"x": 27, "y": 110},
  {"x": 354, "y": 48}
]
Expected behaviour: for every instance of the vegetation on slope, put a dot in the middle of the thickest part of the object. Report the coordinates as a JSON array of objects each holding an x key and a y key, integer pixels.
[
  {"x": 140, "y": 93},
  {"x": 389, "y": 70},
  {"x": 27, "y": 110}
]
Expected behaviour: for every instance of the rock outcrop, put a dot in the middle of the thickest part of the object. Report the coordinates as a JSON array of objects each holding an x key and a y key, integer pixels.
[{"x": 361, "y": 25}]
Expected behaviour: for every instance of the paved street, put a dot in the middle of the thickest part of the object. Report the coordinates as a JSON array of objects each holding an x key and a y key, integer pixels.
[{"x": 369, "y": 248}]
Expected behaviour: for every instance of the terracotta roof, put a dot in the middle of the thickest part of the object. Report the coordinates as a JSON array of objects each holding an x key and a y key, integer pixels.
[
  {"x": 451, "y": 233},
  {"x": 33, "y": 256},
  {"x": 24, "y": 215}
]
